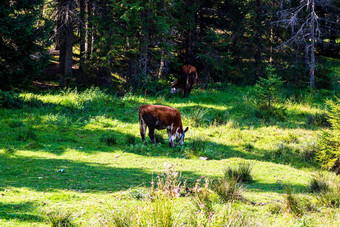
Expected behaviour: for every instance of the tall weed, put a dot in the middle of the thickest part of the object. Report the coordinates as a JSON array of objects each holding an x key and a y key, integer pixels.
[
  {"x": 318, "y": 183},
  {"x": 292, "y": 204},
  {"x": 240, "y": 174},
  {"x": 60, "y": 218}
]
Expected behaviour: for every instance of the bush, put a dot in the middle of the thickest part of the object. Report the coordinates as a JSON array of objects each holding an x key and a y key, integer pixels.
[
  {"x": 10, "y": 99},
  {"x": 202, "y": 199},
  {"x": 169, "y": 182},
  {"x": 60, "y": 218},
  {"x": 330, "y": 198},
  {"x": 228, "y": 190},
  {"x": 318, "y": 184},
  {"x": 267, "y": 89},
  {"x": 328, "y": 153},
  {"x": 241, "y": 174}
]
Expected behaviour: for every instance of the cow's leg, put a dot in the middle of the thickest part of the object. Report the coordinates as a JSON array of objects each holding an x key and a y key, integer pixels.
[
  {"x": 189, "y": 90},
  {"x": 171, "y": 138},
  {"x": 142, "y": 127},
  {"x": 152, "y": 134}
]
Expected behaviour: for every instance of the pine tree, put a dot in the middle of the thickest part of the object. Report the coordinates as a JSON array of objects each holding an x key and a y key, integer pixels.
[{"x": 22, "y": 39}]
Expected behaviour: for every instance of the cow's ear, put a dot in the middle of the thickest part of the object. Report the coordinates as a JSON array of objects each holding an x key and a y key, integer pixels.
[{"x": 186, "y": 129}]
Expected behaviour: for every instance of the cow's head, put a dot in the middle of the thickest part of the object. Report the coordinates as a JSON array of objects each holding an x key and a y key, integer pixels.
[
  {"x": 180, "y": 135},
  {"x": 174, "y": 87}
]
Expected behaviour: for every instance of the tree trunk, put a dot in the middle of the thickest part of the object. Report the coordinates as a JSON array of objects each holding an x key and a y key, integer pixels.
[
  {"x": 89, "y": 28},
  {"x": 82, "y": 35},
  {"x": 143, "y": 57},
  {"x": 68, "y": 38},
  {"x": 258, "y": 34},
  {"x": 312, "y": 56},
  {"x": 306, "y": 61}
]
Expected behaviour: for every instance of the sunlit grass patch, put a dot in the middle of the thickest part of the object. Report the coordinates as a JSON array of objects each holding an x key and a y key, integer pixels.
[{"x": 94, "y": 136}]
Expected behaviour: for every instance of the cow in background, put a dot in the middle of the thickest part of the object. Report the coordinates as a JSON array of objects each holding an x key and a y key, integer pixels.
[
  {"x": 187, "y": 79},
  {"x": 161, "y": 117}
]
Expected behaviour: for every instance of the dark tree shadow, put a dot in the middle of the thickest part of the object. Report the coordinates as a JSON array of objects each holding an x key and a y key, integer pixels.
[
  {"x": 62, "y": 174},
  {"x": 19, "y": 211}
]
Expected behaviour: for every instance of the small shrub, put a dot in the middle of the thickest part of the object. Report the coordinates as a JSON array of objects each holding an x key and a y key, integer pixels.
[
  {"x": 318, "y": 184},
  {"x": 291, "y": 202},
  {"x": 241, "y": 174},
  {"x": 108, "y": 139},
  {"x": 267, "y": 89},
  {"x": 228, "y": 190},
  {"x": 330, "y": 198},
  {"x": 202, "y": 199},
  {"x": 60, "y": 218},
  {"x": 328, "y": 153},
  {"x": 10, "y": 99},
  {"x": 169, "y": 182}
]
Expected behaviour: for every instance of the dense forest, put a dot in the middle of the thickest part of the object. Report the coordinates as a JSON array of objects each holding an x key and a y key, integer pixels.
[
  {"x": 257, "y": 143},
  {"x": 131, "y": 45}
]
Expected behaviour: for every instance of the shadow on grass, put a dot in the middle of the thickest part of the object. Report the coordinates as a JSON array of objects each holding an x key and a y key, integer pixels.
[
  {"x": 19, "y": 211},
  {"x": 274, "y": 187},
  {"x": 47, "y": 175}
]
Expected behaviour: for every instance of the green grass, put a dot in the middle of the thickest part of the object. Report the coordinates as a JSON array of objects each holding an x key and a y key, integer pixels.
[{"x": 94, "y": 137}]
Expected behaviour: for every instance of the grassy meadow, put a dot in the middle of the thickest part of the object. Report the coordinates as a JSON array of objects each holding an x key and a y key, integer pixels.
[{"x": 78, "y": 155}]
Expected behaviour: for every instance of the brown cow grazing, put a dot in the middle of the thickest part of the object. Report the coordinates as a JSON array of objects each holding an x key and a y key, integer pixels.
[
  {"x": 161, "y": 117},
  {"x": 187, "y": 78}
]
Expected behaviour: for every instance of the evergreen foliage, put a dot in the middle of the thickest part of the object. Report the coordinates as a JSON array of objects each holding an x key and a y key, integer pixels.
[
  {"x": 329, "y": 150},
  {"x": 23, "y": 34},
  {"x": 267, "y": 89}
]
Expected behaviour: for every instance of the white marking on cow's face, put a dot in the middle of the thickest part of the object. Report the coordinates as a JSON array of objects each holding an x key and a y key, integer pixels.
[
  {"x": 174, "y": 90},
  {"x": 180, "y": 137},
  {"x": 172, "y": 140}
]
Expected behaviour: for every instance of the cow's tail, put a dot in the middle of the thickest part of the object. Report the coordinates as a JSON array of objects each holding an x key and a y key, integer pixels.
[{"x": 140, "y": 115}]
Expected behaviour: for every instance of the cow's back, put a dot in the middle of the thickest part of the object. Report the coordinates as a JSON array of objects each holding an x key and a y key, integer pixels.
[{"x": 165, "y": 114}]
